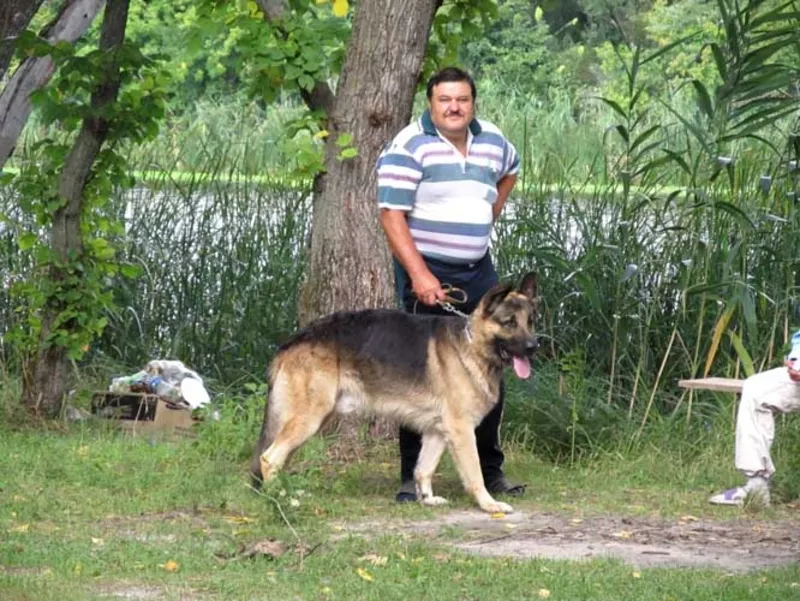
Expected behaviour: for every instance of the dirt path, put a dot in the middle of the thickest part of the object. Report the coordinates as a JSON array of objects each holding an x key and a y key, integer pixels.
[{"x": 735, "y": 545}]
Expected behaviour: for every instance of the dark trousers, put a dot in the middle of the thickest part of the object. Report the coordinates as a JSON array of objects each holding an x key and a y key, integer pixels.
[{"x": 475, "y": 280}]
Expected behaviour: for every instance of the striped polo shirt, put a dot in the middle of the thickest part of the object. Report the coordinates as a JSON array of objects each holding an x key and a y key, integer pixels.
[{"x": 448, "y": 197}]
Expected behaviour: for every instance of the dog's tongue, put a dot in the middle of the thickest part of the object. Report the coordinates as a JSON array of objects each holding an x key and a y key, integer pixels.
[{"x": 522, "y": 367}]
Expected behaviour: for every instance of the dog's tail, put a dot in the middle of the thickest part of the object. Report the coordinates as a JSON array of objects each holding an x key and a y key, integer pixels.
[{"x": 268, "y": 430}]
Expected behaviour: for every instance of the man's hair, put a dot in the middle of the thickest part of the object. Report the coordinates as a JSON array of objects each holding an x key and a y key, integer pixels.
[{"x": 449, "y": 74}]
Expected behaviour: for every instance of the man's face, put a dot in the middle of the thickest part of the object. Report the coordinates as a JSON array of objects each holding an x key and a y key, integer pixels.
[{"x": 452, "y": 107}]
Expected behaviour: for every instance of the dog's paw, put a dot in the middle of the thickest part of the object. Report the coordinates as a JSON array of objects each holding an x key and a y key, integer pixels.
[
  {"x": 267, "y": 470},
  {"x": 433, "y": 500},
  {"x": 497, "y": 507}
]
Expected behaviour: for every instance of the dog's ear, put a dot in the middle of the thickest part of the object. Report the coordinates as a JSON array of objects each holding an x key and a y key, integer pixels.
[
  {"x": 530, "y": 286},
  {"x": 494, "y": 297}
]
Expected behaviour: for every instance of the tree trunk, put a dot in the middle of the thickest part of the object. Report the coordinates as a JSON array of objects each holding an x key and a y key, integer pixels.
[
  {"x": 15, "y": 16},
  {"x": 45, "y": 378},
  {"x": 349, "y": 264},
  {"x": 34, "y": 73}
]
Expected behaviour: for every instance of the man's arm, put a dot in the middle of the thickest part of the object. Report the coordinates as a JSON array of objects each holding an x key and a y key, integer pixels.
[
  {"x": 504, "y": 187},
  {"x": 426, "y": 287}
]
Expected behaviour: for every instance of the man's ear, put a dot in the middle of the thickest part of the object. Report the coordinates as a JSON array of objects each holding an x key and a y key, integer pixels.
[
  {"x": 530, "y": 286},
  {"x": 494, "y": 297}
]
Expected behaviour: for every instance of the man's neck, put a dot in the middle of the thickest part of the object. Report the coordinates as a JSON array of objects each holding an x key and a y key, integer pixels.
[{"x": 459, "y": 141}]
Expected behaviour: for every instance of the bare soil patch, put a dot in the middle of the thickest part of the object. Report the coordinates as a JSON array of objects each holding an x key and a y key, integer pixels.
[{"x": 736, "y": 545}]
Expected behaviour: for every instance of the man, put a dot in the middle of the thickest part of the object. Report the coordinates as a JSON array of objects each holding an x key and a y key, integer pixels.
[
  {"x": 762, "y": 395},
  {"x": 442, "y": 182}
]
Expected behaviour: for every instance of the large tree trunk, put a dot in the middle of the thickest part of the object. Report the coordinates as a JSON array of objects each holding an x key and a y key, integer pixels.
[
  {"x": 349, "y": 264},
  {"x": 45, "y": 378},
  {"x": 33, "y": 73},
  {"x": 15, "y": 16}
]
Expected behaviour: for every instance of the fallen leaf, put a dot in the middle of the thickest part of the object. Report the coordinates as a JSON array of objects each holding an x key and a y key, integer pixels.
[
  {"x": 171, "y": 566},
  {"x": 576, "y": 521},
  {"x": 376, "y": 560},
  {"x": 239, "y": 519},
  {"x": 22, "y": 528},
  {"x": 498, "y": 516},
  {"x": 510, "y": 526},
  {"x": 688, "y": 518},
  {"x": 543, "y": 593},
  {"x": 364, "y": 574},
  {"x": 622, "y": 534}
]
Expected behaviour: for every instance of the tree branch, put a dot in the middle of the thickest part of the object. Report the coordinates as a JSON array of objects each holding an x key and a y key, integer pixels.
[
  {"x": 34, "y": 72},
  {"x": 15, "y": 16},
  {"x": 321, "y": 98}
]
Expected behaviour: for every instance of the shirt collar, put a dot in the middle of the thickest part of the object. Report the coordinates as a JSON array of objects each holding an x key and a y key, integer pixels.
[{"x": 429, "y": 128}]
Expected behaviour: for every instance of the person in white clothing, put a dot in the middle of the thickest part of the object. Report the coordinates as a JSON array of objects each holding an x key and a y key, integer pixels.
[{"x": 763, "y": 394}]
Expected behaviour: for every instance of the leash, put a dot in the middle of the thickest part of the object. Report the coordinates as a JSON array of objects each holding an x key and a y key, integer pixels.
[{"x": 453, "y": 296}]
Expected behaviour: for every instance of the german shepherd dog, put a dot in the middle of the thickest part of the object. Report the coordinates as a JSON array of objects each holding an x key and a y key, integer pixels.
[{"x": 439, "y": 375}]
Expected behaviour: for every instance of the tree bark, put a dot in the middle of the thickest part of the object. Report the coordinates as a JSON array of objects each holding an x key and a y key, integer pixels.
[
  {"x": 349, "y": 263},
  {"x": 45, "y": 378},
  {"x": 34, "y": 73},
  {"x": 15, "y": 16}
]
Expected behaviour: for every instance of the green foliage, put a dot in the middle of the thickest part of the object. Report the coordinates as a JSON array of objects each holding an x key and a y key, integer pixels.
[
  {"x": 231, "y": 40},
  {"x": 520, "y": 50},
  {"x": 75, "y": 288}
]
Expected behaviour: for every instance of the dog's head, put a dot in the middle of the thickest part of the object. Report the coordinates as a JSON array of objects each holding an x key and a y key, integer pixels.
[{"x": 504, "y": 321}]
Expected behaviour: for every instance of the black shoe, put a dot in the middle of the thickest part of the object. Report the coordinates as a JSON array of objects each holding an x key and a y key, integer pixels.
[
  {"x": 407, "y": 492},
  {"x": 499, "y": 485}
]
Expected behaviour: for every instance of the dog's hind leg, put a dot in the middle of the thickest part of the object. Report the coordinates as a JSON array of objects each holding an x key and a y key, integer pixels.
[
  {"x": 461, "y": 439},
  {"x": 433, "y": 445},
  {"x": 302, "y": 402}
]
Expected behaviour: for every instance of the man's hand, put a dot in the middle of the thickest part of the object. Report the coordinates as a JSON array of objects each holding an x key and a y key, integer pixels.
[
  {"x": 791, "y": 367},
  {"x": 427, "y": 288},
  {"x": 424, "y": 284}
]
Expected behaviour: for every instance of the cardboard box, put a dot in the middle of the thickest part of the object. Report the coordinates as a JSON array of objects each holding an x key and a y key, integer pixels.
[{"x": 144, "y": 414}]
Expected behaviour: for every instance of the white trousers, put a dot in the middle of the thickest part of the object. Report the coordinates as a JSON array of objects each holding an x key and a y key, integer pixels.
[{"x": 763, "y": 394}]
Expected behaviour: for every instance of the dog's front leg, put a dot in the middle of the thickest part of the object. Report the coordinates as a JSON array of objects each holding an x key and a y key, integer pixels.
[
  {"x": 461, "y": 438},
  {"x": 432, "y": 448}
]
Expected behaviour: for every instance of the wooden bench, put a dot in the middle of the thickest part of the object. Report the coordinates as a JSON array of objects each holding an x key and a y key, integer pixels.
[{"x": 718, "y": 384}]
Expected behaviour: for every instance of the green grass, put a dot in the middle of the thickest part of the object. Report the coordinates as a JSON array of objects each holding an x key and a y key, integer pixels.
[{"x": 88, "y": 513}]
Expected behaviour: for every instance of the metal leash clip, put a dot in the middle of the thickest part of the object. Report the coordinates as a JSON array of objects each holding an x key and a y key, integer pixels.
[{"x": 453, "y": 295}]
